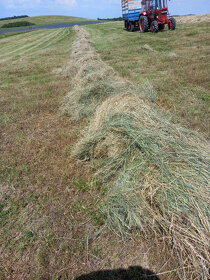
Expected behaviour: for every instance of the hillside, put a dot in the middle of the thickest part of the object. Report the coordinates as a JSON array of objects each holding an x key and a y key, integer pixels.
[
  {"x": 47, "y": 20},
  {"x": 104, "y": 160}
]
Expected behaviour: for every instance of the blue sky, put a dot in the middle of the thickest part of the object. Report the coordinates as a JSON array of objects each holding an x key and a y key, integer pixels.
[{"x": 90, "y": 8}]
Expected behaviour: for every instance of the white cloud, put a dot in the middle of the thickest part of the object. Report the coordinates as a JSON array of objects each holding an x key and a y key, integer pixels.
[
  {"x": 26, "y": 4},
  {"x": 13, "y": 4},
  {"x": 68, "y": 3}
]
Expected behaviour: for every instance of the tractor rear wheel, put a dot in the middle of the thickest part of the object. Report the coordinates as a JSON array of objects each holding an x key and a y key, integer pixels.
[
  {"x": 154, "y": 26},
  {"x": 143, "y": 24},
  {"x": 172, "y": 24}
]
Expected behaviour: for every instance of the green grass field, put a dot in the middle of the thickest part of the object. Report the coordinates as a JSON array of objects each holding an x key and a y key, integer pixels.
[
  {"x": 174, "y": 62},
  {"x": 46, "y": 20},
  {"x": 51, "y": 225}
]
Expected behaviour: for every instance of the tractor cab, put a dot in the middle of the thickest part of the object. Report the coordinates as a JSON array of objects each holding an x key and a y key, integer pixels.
[
  {"x": 155, "y": 15},
  {"x": 156, "y": 9},
  {"x": 154, "y": 5}
]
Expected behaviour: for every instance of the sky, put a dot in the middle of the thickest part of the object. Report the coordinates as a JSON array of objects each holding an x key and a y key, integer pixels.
[{"x": 90, "y": 8}]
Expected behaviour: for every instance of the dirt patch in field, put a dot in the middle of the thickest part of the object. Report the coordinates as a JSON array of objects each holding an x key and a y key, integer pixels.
[{"x": 5, "y": 190}]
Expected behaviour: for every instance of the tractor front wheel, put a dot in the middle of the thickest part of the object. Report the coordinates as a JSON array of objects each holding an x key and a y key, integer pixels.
[
  {"x": 154, "y": 26},
  {"x": 172, "y": 24},
  {"x": 143, "y": 24}
]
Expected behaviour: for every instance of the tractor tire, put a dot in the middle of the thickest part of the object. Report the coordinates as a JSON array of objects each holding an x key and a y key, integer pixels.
[
  {"x": 154, "y": 26},
  {"x": 172, "y": 24},
  {"x": 143, "y": 24},
  {"x": 131, "y": 27},
  {"x": 161, "y": 27},
  {"x": 126, "y": 25}
]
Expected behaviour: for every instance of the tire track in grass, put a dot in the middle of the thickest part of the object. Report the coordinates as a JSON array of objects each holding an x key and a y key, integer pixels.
[
  {"x": 37, "y": 39},
  {"x": 31, "y": 46},
  {"x": 51, "y": 43},
  {"x": 61, "y": 36},
  {"x": 40, "y": 42},
  {"x": 21, "y": 42},
  {"x": 15, "y": 37},
  {"x": 43, "y": 49}
]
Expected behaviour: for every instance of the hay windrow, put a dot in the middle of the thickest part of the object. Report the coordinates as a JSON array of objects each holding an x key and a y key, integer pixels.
[
  {"x": 93, "y": 80},
  {"x": 193, "y": 19},
  {"x": 158, "y": 172}
]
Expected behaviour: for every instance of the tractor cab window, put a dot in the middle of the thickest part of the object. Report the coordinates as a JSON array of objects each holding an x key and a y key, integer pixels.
[
  {"x": 153, "y": 4},
  {"x": 144, "y": 5}
]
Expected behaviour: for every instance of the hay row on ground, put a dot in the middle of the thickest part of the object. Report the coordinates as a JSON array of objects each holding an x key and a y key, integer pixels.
[
  {"x": 158, "y": 172},
  {"x": 193, "y": 18},
  {"x": 93, "y": 80}
]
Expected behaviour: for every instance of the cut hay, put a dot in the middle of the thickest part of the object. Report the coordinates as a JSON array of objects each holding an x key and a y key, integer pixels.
[
  {"x": 93, "y": 80},
  {"x": 158, "y": 172},
  {"x": 193, "y": 19},
  {"x": 148, "y": 48}
]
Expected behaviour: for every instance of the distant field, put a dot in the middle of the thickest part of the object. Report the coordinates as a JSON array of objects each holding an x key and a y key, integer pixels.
[
  {"x": 176, "y": 63},
  {"x": 45, "y": 20}
]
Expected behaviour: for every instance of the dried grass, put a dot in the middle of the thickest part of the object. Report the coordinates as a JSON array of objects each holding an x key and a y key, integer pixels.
[
  {"x": 194, "y": 19},
  {"x": 159, "y": 175},
  {"x": 158, "y": 172},
  {"x": 93, "y": 80}
]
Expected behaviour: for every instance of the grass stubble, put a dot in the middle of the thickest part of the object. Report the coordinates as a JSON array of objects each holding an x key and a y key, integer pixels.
[
  {"x": 38, "y": 235},
  {"x": 157, "y": 171}
]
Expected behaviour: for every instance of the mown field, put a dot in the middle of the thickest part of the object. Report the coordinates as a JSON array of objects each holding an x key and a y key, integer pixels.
[
  {"x": 51, "y": 223},
  {"x": 176, "y": 63},
  {"x": 45, "y": 20}
]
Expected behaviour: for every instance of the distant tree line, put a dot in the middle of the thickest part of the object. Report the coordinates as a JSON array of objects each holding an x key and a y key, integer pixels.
[
  {"x": 15, "y": 17},
  {"x": 120, "y": 18},
  {"x": 111, "y": 19},
  {"x": 17, "y": 24},
  {"x": 183, "y": 15}
]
